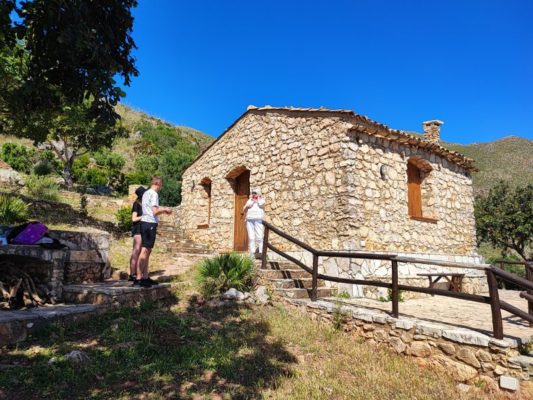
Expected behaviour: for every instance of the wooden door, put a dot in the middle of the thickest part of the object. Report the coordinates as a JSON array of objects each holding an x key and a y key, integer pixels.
[
  {"x": 242, "y": 193},
  {"x": 414, "y": 193}
]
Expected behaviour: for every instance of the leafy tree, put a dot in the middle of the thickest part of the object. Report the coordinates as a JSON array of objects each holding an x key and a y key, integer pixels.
[
  {"x": 12, "y": 63},
  {"x": 75, "y": 132},
  {"x": 73, "y": 52},
  {"x": 504, "y": 218}
]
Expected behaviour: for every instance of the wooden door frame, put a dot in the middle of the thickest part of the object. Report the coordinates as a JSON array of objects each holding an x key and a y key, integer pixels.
[{"x": 233, "y": 178}]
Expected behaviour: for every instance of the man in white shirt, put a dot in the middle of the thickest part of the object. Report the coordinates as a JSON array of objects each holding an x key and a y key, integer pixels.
[
  {"x": 149, "y": 220},
  {"x": 255, "y": 212}
]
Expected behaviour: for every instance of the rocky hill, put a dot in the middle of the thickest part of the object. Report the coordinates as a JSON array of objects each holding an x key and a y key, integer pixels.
[
  {"x": 509, "y": 159},
  {"x": 132, "y": 119}
]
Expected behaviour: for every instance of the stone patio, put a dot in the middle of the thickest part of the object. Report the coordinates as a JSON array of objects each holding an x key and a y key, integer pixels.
[{"x": 459, "y": 313}]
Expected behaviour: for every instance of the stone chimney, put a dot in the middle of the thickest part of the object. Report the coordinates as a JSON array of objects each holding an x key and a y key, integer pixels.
[{"x": 432, "y": 131}]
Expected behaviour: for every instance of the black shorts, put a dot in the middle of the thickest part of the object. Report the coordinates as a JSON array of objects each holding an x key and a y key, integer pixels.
[
  {"x": 148, "y": 234},
  {"x": 136, "y": 228}
]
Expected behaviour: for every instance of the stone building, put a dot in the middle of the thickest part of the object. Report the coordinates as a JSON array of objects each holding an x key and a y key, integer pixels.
[{"x": 338, "y": 181}]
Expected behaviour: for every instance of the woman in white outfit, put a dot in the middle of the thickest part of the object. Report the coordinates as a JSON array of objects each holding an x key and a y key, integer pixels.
[{"x": 255, "y": 211}]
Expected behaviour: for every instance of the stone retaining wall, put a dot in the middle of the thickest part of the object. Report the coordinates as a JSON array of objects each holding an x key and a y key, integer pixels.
[
  {"x": 467, "y": 355},
  {"x": 96, "y": 201}
]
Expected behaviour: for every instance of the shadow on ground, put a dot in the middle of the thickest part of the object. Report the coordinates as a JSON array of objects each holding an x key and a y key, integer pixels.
[{"x": 151, "y": 352}]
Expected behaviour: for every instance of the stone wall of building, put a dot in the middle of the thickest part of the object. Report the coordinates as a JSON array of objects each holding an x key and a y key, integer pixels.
[
  {"x": 330, "y": 186},
  {"x": 379, "y": 216},
  {"x": 295, "y": 159}
]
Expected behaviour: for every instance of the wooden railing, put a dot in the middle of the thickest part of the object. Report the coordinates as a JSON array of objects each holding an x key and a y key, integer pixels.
[{"x": 492, "y": 273}]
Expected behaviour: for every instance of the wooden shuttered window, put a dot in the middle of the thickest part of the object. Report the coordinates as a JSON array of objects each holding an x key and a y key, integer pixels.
[{"x": 414, "y": 192}]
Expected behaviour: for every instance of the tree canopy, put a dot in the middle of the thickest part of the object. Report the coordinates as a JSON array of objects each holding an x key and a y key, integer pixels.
[
  {"x": 59, "y": 66},
  {"x": 504, "y": 218}
]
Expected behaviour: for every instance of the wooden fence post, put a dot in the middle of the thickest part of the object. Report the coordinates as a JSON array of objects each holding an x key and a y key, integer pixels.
[
  {"x": 265, "y": 248},
  {"x": 395, "y": 291},
  {"x": 314, "y": 287},
  {"x": 497, "y": 323}
]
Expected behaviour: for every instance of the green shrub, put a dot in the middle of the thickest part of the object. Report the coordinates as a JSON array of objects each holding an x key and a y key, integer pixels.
[
  {"x": 19, "y": 157},
  {"x": 220, "y": 273},
  {"x": 106, "y": 158},
  {"x": 94, "y": 177},
  {"x": 42, "y": 187},
  {"x": 137, "y": 178},
  {"x": 147, "y": 164},
  {"x": 124, "y": 219},
  {"x": 12, "y": 210},
  {"x": 43, "y": 168},
  {"x": 170, "y": 194}
]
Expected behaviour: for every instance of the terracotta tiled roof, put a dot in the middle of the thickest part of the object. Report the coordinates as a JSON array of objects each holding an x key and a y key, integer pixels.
[{"x": 364, "y": 124}]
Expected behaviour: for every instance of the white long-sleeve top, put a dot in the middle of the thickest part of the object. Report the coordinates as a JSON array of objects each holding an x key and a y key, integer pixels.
[{"x": 255, "y": 209}]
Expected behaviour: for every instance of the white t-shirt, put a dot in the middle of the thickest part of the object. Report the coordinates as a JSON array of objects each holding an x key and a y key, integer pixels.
[
  {"x": 150, "y": 199},
  {"x": 256, "y": 210}
]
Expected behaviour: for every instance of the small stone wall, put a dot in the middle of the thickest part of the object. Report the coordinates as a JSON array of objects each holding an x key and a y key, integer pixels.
[
  {"x": 467, "y": 355},
  {"x": 96, "y": 201},
  {"x": 40, "y": 262},
  {"x": 88, "y": 258}
]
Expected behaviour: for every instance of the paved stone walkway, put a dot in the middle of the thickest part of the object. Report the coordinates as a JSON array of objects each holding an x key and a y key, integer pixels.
[{"x": 457, "y": 312}]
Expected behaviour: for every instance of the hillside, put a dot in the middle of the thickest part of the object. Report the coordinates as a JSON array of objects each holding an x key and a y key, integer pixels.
[
  {"x": 132, "y": 119},
  {"x": 509, "y": 159}
]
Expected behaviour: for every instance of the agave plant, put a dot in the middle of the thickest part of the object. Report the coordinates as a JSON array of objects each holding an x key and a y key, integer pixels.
[
  {"x": 12, "y": 210},
  {"x": 223, "y": 272}
]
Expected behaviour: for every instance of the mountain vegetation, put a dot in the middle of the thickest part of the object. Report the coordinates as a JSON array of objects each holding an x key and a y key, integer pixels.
[{"x": 509, "y": 159}]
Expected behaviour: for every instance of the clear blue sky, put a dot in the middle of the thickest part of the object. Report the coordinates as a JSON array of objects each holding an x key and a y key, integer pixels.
[{"x": 468, "y": 63}]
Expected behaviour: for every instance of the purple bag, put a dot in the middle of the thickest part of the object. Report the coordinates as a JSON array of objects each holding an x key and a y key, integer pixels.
[{"x": 29, "y": 233}]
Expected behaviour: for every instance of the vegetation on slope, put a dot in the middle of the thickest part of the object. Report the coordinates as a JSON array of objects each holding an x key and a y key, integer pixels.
[
  {"x": 151, "y": 147},
  {"x": 509, "y": 159}
]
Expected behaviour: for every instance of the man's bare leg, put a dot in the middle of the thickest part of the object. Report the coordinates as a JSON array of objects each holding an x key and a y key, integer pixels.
[{"x": 143, "y": 262}]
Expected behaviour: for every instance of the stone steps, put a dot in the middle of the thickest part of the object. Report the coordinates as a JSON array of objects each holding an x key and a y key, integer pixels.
[
  {"x": 298, "y": 293},
  {"x": 300, "y": 283},
  {"x": 114, "y": 293},
  {"x": 282, "y": 274},
  {"x": 290, "y": 281}
]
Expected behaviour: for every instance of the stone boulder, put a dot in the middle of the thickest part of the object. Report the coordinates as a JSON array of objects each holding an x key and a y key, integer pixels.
[{"x": 9, "y": 175}]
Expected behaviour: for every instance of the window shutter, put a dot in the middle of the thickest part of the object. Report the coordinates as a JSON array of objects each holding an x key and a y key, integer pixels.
[{"x": 414, "y": 193}]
